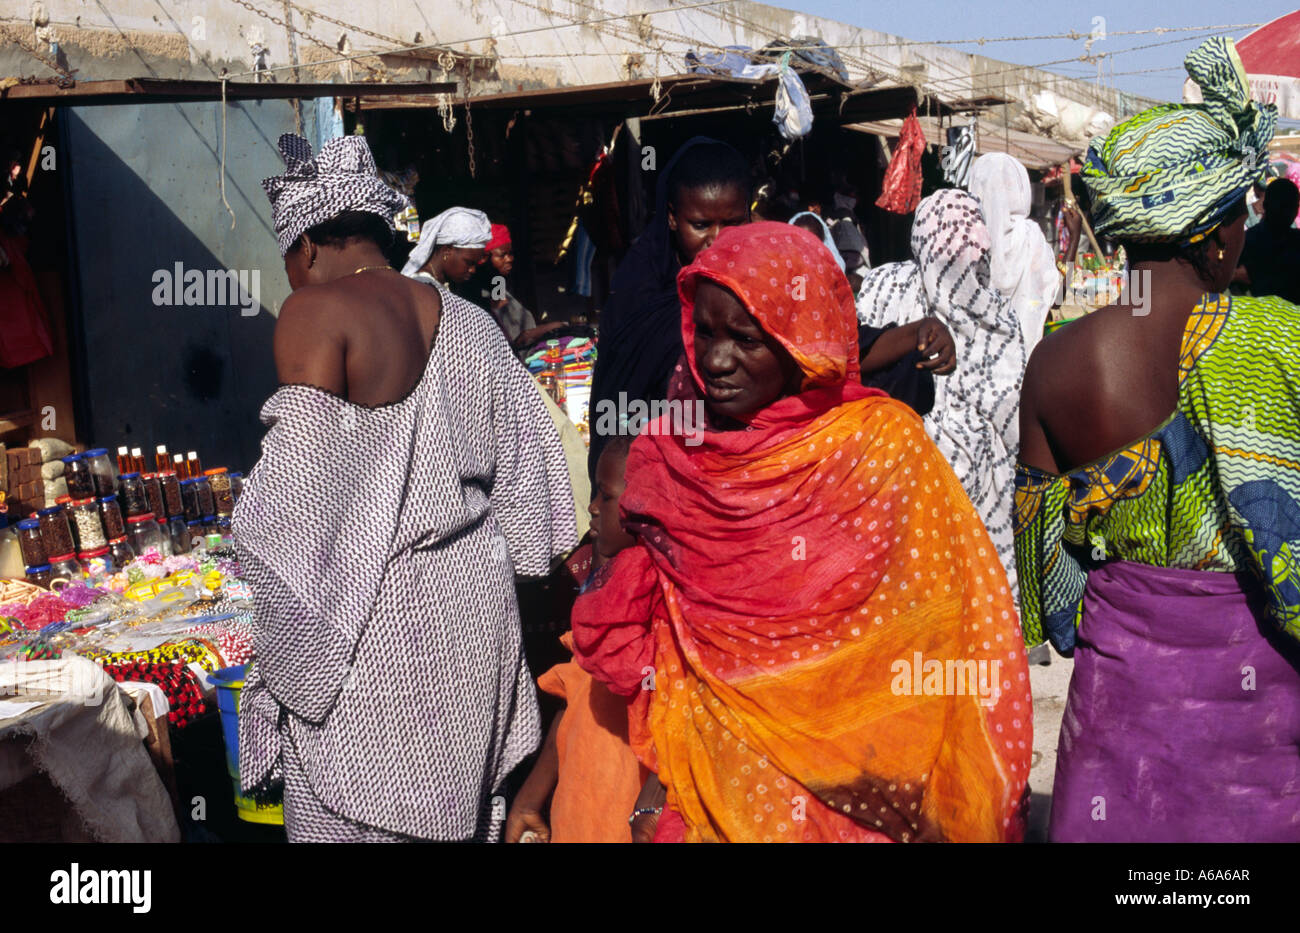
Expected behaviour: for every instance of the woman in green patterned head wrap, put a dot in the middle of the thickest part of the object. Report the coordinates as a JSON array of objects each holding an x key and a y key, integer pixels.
[
  {"x": 1173, "y": 173},
  {"x": 1157, "y": 506}
]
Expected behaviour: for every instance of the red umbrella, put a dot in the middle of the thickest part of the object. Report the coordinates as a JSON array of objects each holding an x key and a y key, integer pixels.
[{"x": 1271, "y": 55}]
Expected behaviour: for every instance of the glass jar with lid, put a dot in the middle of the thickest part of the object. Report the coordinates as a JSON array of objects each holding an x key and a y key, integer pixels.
[
  {"x": 206, "y": 501},
  {"x": 97, "y": 563},
  {"x": 179, "y": 533},
  {"x": 171, "y": 489},
  {"x": 90, "y": 530},
  {"x": 143, "y": 533},
  {"x": 39, "y": 575},
  {"x": 133, "y": 499},
  {"x": 153, "y": 492},
  {"x": 194, "y": 532},
  {"x": 190, "y": 500},
  {"x": 120, "y": 550},
  {"x": 111, "y": 514},
  {"x": 65, "y": 566},
  {"x": 76, "y": 471},
  {"x": 55, "y": 531},
  {"x": 101, "y": 468},
  {"x": 223, "y": 526},
  {"x": 219, "y": 482},
  {"x": 31, "y": 543}
]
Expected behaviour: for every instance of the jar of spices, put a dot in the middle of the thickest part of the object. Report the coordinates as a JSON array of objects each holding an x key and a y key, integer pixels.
[
  {"x": 207, "y": 505},
  {"x": 143, "y": 533},
  {"x": 90, "y": 530},
  {"x": 65, "y": 566},
  {"x": 55, "y": 531},
  {"x": 171, "y": 490},
  {"x": 219, "y": 483},
  {"x": 97, "y": 563},
  {"x": 153, "y": 492},
  {"x": 236, "y": 485},
  {"x": 103, "y": 471},
  {"x": 120, "y": 550},
  {"x": 134, "y": 500},
  {"x": 39, "y": 575},
  {"x": 179, "y": 533},
  {"x": 190, "y": 500},
  {"x": 111, "y": 514},
  {"x": 31, "y": 543},
  {"x": 81, "y": 485}
]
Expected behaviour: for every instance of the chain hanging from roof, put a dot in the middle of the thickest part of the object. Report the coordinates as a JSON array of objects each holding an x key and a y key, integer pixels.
[{"x": 447, "y": 63}]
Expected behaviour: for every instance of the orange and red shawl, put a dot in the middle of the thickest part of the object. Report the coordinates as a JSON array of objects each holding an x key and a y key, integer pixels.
[{"x": 786, "y": 576}]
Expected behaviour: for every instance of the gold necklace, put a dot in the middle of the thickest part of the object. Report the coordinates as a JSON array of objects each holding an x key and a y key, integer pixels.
[{"x": 368, "y": 268}]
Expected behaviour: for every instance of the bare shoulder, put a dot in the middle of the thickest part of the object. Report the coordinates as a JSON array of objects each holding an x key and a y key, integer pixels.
[{"x": 312, "y": 308}]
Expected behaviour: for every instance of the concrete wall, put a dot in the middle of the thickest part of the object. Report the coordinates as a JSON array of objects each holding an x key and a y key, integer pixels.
[
  {"x": 198, "y": 38},
  {"x": 144, "y": 185}
]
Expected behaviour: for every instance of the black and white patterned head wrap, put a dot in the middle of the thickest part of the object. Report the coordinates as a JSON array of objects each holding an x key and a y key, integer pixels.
[
  {"x": 975, "y": 419},
  {"x": 340, "y": 178}
]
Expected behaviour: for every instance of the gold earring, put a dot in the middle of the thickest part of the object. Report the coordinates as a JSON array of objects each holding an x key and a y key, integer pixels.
[{"x": 1220, "y": 255}]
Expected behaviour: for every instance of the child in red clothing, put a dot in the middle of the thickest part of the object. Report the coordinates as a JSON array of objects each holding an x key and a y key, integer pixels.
[{"x": 587, "y": 771}]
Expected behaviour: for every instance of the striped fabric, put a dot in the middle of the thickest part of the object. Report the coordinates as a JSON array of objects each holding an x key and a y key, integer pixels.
[{"x": 1170, "y": 173}]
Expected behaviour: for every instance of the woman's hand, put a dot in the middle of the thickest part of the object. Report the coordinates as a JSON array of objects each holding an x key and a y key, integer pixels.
[
  {"x": 644, "y": 826},
  {"x": 524, "y": 818},
  {"x": 936, "y": 345},
  {"x": 529, "y": 804},
  {"x": 653, "y": 796}
]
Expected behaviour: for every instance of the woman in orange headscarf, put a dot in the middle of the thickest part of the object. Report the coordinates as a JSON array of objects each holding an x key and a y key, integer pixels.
[{"x": 814, "y": 632}]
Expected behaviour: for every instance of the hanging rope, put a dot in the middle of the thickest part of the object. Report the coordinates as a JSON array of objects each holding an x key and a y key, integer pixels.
[{"x": 229, "y": 209}]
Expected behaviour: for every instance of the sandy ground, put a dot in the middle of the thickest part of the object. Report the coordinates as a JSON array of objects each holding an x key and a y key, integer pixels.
[{"x": 1049, "y": 685}]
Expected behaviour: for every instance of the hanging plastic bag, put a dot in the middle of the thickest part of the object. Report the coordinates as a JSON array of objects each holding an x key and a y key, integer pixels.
[
  {"x": 902, "y": 185},
  {"x": 793, "y": 117}
]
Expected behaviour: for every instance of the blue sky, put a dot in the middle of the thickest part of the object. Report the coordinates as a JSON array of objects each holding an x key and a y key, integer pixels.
[{"x": 932, "y": 20}]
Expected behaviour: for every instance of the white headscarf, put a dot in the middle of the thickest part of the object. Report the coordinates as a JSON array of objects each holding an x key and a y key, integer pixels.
[
  {"x": 1023, "y": 267},
  {"x": 456, "y": 226},
  {"x": 825, "y": 233},
  {"x": 975, "y": 421}
]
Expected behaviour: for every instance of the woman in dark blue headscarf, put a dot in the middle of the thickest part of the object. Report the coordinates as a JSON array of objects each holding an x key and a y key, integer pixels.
[{"x": 702, "y": 190}]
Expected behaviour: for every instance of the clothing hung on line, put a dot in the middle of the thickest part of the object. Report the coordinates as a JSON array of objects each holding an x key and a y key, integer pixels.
[
  {"x": 975, "y": 420},
  {"x": 777, "y": 712},
  {"x": 389, "y": 687},
  {"x": 1168, "y": 568}
]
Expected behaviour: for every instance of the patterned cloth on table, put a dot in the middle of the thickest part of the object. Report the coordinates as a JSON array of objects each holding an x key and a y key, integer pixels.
[
  {"x": 976, "y": 415},
  {"x": 382, "y": 545},
  {"x": 778, "y": 710},
  {"x": 1169, "y": 569},
  {"x": 1171, "y": 173}
]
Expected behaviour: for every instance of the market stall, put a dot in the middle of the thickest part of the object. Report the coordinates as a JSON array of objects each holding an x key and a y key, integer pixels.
[{"x": 152, "y": 613}]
